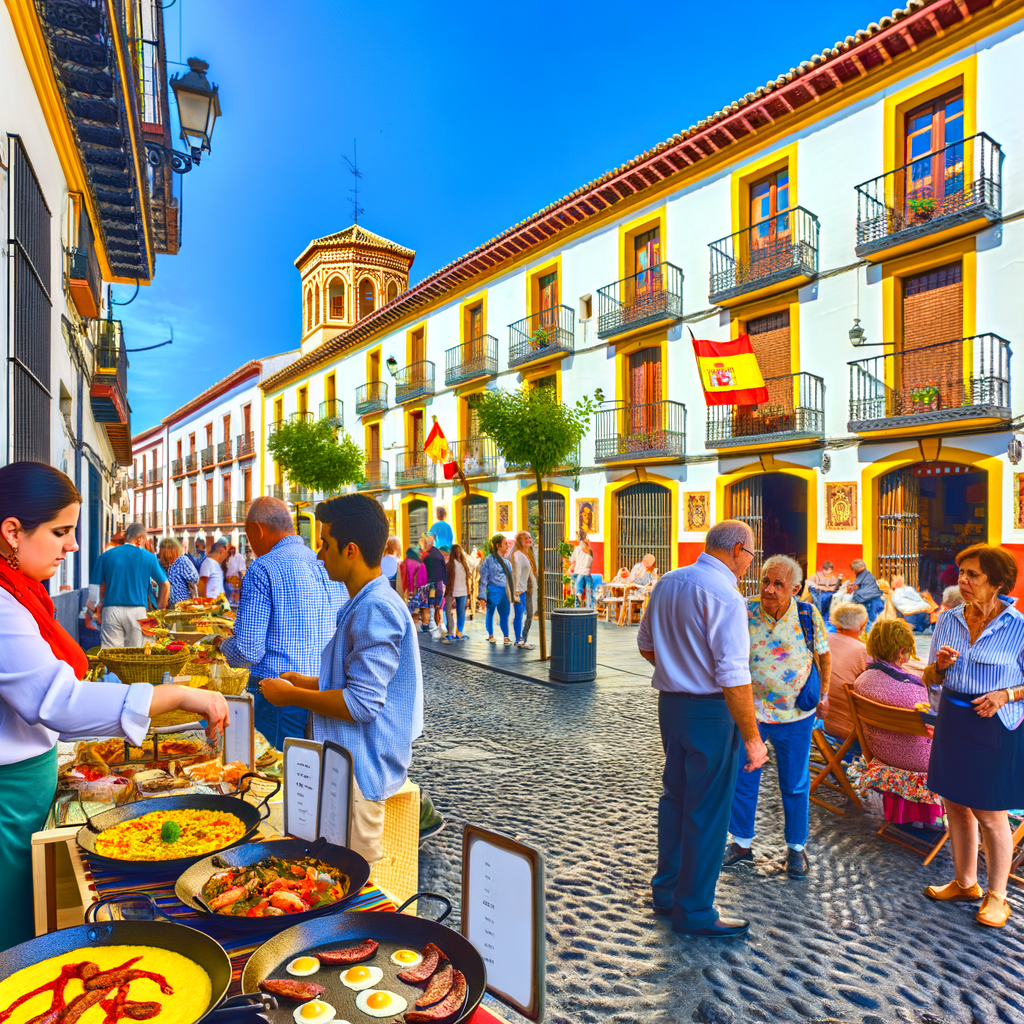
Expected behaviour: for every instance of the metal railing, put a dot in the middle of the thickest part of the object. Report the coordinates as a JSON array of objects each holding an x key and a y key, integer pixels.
[
  {"x": 947, "y": 381},
  {"x": 653, "y": 295},
  {"x": 275, "y": 426},
  {"x": 206, "y": 513},
  {"x": 224, "y": 451},
  {"x": 245, "y": 445},
  {"x": 140, "y": 518},
  {"x": 277, "y": 491},
  {"x": 477, "y": 357},
  {"x": 178, "y": 516},
  {"x": 190, "y": 516},
  {"x": 332, "y": 409},
  {"x": 206, "y": 456},
  {"x": 177, "y": 467},
  {"x": 192, "y": 463},
  {"x": 414, "y": 381},
  {"x": 225, "y": 512},
  {"x": 626, "y": 433},
  {"x": 300, "y": 494},
  {"x": 153, "y": 476},
  {"x": 413, "y": 468},
  {"x": 304, "y": 415},
  {"x": 377, "y": 476},
  {"x": 569, "y": 466},
  {"x": 960, "y": 182},
  {"x": 111, "y": 355},
  {"x": 242, "y": 510},
  {"x": 547, "y": 333},
  {"x": 771, "y": 251},
  {"x": 84, "y": 266},
  {"x": 371, "y": 397},
  {"x": 477, "y": 456},
  {"x": 795, "y": 407},
  {"x": 156, "y": 520}
]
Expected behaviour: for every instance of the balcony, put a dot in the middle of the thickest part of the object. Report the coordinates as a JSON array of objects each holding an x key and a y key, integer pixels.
[
  {"x": 177, "y": 467},
  {"x": 302, "y": 416},
  {"x": 192, "y": 463},
  {"x": 242, "y": 510},
  {"x": 377, "y": 476},
  {"x": 333, "y": 410},
  {"x": 371, "y": 397},
  {"x": 154, "y": 477},
  {"x": 794, "y": 413},
  {"x": 277, "y": 491},
  {"x": 545, "y": 335},
  {"x": 225, "y": 513},
  {"x": 771, "y": 256},
  {"x": 224, "y": 452},
  {"x": 245, "y": 445},
  {"x": 207, "y": 456},
  {"x": 190, "y": 516},
  {"x": 155, "y": 521},
  {"x": 108, "y": 389},
  {"x": 651, "y": 297},
  {"x": 140, "y": 518},
  {"x": 476, "y": 456},
  {"x": 475, "y": 358},
  {"x": 963, "y": 383},
  {"x": 415, "y": 469},
  {"x": 275, "y": 426},
  {"x": 300, "y": 496},
  {"x": 947, "y": 194},
  {"x": 84, "y": 282},
  {"x": 633, "y": 433},
  {"x": 178, "y": 516},
  {"x": 206, "y": 514},
  {"x": 569, "y": 467},
  {"x": 414, "y": 381}
]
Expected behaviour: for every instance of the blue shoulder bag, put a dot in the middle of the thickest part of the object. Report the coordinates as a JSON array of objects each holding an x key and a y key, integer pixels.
[{"x": 810, "y": 693}]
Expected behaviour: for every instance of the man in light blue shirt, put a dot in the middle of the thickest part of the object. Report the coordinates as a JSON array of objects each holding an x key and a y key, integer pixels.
[
  {"x": 369, "y": 695},
  {"x": 124, "y": 573},
  {"x": 441, "y": 531}
]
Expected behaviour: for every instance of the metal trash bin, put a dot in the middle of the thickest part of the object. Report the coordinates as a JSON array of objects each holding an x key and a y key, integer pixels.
[{"x": 573, "y": 645}]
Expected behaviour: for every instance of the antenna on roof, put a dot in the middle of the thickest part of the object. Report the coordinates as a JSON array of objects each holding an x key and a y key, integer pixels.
[{"x": 353, "y": 167}]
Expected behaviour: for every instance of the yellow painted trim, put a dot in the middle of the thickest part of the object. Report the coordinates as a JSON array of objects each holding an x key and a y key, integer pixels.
[
  {"x": 522, "y": 496},
  {"x": 929, "y": 242},
  {"x": 379, "y": 349},
  {"x": 797, "y": 281},
  {"x": 476, "y": 299},
  {"x": 403, "y": 515},
  {"x": 638, "y": 226},
  {"x": 623, "y": 350},
  {"x": 745, "y": 176},
  {"x": 456, "y": 513},
  {"x": 874, "y": 471},
  {"x": 772, "y": 446},
  {"x": 738, "y": 326},
  {"x": 927, "y": 429},
  {"x": 552, "y": 266},
  {"x": 532, "y": 373},
  {"x": 419, "y": 326},
  {"x": 263, "y": 442},
  {"x": 611, "y": 516}
]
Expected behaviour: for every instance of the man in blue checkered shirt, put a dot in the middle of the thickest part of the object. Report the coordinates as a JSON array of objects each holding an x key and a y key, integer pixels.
[{"x": 287, "y": 614}]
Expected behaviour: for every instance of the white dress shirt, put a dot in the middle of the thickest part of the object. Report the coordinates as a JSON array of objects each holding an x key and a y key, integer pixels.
[
  {"x": 40, "y": 699},
  {"x": 696, "y": 624},
  {"x": 908, "y": 601}
]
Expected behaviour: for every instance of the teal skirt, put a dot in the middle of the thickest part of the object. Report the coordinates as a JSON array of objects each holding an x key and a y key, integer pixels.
[{"x": 28, "y": 788}]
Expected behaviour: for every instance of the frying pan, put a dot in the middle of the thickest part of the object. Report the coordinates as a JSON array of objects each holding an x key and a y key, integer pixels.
[
  {"x": 392, "y": 931},
  {"x": 250, "y": 815},
  {"x": 194, "y": 878},
  {"x": 165, "y": 934}
]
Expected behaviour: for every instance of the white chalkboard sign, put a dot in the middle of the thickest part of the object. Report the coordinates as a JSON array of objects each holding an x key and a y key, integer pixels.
[
  {"x": 336, "y": 794},
  {"x": 503, "y": 916},
  {"x": 302, "y": 769},
  {"x": 240, "y": 736}
]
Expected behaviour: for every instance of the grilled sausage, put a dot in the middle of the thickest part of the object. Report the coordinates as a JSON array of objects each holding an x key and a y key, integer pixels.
[
  {"x": 300, "y": 991},
  {"x": 417, "y": 975},
  {"x": 447, "y": 1010},
  {"x": 352, "y": 955},
  {"x": 438, "y": 987}
]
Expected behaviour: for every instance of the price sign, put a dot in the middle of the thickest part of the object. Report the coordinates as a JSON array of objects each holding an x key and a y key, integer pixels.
[
  {"x": 302, "y": 764},
  {"x": 336, "y": 794},
  {"x": 240, "y": 737},
  {"x": 503, "y": 916}
]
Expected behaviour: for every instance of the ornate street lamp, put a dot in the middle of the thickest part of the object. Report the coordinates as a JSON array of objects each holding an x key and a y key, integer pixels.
[
  {"x": 392, "y": 365},
  {"x": 198, "y": 110},
  {"x": 857, "y": 334}
]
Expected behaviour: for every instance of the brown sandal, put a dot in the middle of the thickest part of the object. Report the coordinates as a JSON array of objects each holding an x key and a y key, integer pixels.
[
  {"x": 954, "y": 892},
  {"x": 994, "y": 912}
]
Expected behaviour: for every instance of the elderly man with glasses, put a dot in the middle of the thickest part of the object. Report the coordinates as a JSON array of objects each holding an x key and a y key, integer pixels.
[{"x": 788, "y": 643}]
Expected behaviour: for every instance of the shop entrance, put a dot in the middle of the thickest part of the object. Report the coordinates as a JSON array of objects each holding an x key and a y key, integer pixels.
[
  {"x": 644, "y": 516},
  {"x": 475, "y": 524},
  {"x": 774, "y": 506},
  {"x": 554, "y": 534},
  {"x": 419, "y": 519},
  {"x": 927, "y": 514}
]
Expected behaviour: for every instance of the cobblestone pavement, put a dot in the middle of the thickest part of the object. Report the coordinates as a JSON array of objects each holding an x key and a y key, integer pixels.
[{"x": 575, "y": 771}]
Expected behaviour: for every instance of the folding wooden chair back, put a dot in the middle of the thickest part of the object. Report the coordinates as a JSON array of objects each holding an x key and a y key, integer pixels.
[
  {"x": 606, "y": 601},
  {"x": 833, "y": 759},
  {"x": 906, "y": 722}
]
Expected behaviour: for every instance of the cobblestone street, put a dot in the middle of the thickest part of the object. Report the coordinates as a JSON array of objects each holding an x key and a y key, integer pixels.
[{"x": 576, "y": 772}]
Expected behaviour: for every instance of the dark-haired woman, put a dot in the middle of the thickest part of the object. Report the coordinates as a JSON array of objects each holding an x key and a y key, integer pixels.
[
  {"x": 977, "y": 757},
  {"x": 457, "y": 593},
  {"x": 496, "y": 583},
  {"x": 41, "y": 695}
]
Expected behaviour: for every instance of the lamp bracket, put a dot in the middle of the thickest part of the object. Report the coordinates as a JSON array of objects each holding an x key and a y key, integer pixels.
[{"x": 161, "y": 156}]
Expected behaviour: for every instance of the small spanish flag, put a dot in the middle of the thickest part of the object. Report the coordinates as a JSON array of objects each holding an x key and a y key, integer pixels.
[
  {"x": 436, "y": 446},
  {"x": 729, "y": 372}
]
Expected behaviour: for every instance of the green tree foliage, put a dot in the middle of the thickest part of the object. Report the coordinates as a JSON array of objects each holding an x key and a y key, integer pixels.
[
  {"x": 533, "y": 430},
  {"x": 315, "y": 454}
]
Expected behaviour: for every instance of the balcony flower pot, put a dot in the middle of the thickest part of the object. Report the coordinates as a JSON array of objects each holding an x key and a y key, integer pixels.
[{"x": 921, "y": 210}]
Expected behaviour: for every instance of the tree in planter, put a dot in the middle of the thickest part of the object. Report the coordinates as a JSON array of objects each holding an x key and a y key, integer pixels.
[
  {"x": 531, "y": 428},
  {"x": 315, "y": 454}
]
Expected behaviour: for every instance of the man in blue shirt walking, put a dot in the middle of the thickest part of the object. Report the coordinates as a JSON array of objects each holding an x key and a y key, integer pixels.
[
  {"x": 369, "y": 693},
  {"x": 441, "y": 531},
  {"x": 124, "y": 574}
]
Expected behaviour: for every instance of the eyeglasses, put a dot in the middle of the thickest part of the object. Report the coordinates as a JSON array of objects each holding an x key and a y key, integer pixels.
[{"x": 748, "y": 551}]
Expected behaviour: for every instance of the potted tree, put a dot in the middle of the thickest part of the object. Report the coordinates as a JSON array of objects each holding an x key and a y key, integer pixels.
[{"x": 925, "y": 397}]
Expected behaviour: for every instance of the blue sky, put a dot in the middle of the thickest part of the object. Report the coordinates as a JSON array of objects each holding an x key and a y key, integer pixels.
[{"x": 469, "y": 118}]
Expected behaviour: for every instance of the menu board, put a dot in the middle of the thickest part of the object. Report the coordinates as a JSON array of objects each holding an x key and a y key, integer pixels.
[
  {"x": 503, "y": 916},
  {"x": 302, "y": 768},
  {"x": 335, "y": 794},
  {"x": 240, "y": 736}
]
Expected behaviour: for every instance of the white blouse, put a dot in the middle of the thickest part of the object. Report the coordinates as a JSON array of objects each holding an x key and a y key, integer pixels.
[{"x": 40, "y": 699}]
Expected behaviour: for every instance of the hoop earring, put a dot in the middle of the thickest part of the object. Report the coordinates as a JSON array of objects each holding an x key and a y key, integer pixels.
[{"x": 12, "y": 558}]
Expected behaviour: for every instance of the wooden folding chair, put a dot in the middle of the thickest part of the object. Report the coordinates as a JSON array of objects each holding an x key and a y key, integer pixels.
[
  {"x": 1018, "y": 850},
  {"x": 604, "y": 601},
  {"x": 907, "y": 722},
  {"x": 833, "y": 766}
]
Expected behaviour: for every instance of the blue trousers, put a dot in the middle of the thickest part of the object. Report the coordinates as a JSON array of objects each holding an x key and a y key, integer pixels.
[
  {"x": 791, "y": 742},
  {"x": 497, "y": 598},
  {"x": 919, "y": 621},
  {"x": 456, "y": 621},
  {"x": 584, "y": 586},
  {"x": 875, "y": 606},
  {"x": 702, "y": 750},
  {"x": 276, "y": 723}
]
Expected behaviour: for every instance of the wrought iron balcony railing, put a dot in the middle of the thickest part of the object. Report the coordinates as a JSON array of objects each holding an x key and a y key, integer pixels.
[
  {"x": 192, "y": 463},
  {"x": 548, "y": 333},
  {"x": 190, "y": 516},
  {"x": 304, "y": 415},
  {"x": 140, "y": 518},
  {"x": 570, "y": 466},
  {"x": 84, "y": 272},
  {"x": 153, "y": 476},
  {"x": 275, "y": 426},
  {"x": 377, "y": 476},
  {"x": 178, "y": 516},
  {"x": 225, "y": 512},
  {"x": 477, "y": 357},
  {"x": 414, "y": 469},
  {"x": 277, "y": 491},
  {"x": 155, "y": 521},
  {"x": 242, "y": 510},
  {"x": 957, "y": 184},
  {"x": 371, "y": 397},
  {"x": 414, "y": 381},
  {"x": 300, "y": 495},
  {"x": 332, "y": 409},
  {"x": 177, "y": 467},
  {"x": 207, "y": 456},
  {"x": 767, "y": 253},
  {"x": 954, "y": 380},
  {"x": 628, "y": 433},
  {"x": 245, "y": 445},
  {"x": 795, "y": 409},
  {"x": 650, "y": 297},
  {"x": 476, "y": 456},
  {"x": 224, "y": 451},
  {"x": 206, "y": 513}
]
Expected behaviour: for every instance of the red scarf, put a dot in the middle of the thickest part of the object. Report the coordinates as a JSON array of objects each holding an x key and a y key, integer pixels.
[{"x": 33, "y": 597}]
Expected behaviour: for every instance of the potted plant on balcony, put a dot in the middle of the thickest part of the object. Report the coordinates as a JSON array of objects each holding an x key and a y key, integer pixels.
[
  {"x": 540, "y": 339},
  {"x": 925, "y": 398},
  {"x": 922, "y": 209}
]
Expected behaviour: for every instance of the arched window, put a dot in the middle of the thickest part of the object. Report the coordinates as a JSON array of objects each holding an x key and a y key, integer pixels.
[
  {"x": 367, "y": 299},
  {"x": 309, "y": 309},
  {"x": 316, "y": 314},
  {"x": 336, "y": 298},
  {"x": 392, "y": 291}
]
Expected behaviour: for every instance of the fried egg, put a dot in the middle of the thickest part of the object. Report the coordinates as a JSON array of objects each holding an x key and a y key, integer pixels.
[
  {"x": 313, "y": 1012},
  {"x": 361, "y": 976},
  {"x": 406, "y": 958},
  {"x": 380, "y": 1003},
  {"x": 303, "y": 966}
]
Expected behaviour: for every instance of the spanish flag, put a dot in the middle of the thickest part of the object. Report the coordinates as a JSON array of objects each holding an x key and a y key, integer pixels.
[
  {"x": 729, "y": 372},
  {"x": 436, "y": 446}
]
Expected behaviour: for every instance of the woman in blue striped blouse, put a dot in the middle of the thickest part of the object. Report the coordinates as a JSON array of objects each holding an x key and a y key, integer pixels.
[{"x": 977, "y": 758}]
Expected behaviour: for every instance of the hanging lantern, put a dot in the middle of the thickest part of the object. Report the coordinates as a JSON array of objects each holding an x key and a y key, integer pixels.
[{"x": 1014, "y": 451}]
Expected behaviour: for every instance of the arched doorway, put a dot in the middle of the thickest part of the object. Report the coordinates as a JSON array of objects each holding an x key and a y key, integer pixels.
[
  {"x": 927, "y": 514},
  {"x": 644, "y": 517},
  {"x": 475, "y": 527},
  {"x": 418, "y": 514},
  {"x": 774, "y": 506},
  {"x": 554, "y": 534}
]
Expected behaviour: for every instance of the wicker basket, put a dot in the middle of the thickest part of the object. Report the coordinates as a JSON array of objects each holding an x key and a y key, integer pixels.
[
  {"x": 188, "y": 638},
  {"x": 175, "y": 718},
  {"x": 232, "y": 681},
  {"x": 176, "y": 619},
  {"x": 132, "y": 665}
]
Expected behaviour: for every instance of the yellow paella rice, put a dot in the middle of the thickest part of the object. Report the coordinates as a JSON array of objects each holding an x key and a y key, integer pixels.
[{"x": 144, "y": 838}]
